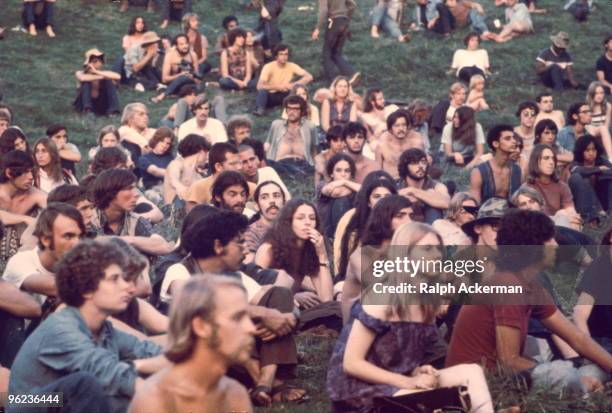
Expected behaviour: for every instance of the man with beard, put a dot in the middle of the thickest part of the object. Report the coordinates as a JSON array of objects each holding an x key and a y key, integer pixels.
[
  {"x": 253, "y": 170},
  {"x": 212, "y": 311},
  {"x": 499, "y": 176},
  {"x": 398, "y": 138},
  {"x": 180, "y": 67},
  {"x": 203, "y": 124},
  {"x": 546, "y": 105},
  {"x": 354, "y": 137},
  {"x": 292, "y": 143},
  {"x": 230, "y": 191},
  {"x": 375, "y": 111},
  {"x": 429, "y": 197},
  {"x": 270, "y": 198}
]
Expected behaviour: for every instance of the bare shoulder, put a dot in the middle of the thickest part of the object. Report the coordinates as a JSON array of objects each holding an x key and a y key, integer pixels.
[
  {"x": 150, "y": 397},
  {"x": 236, "y": 396}
]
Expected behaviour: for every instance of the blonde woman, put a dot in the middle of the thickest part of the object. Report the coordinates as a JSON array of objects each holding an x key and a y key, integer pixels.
[
  {"x": 340, "y": 108},
  {"x": 601, "y": 109}
]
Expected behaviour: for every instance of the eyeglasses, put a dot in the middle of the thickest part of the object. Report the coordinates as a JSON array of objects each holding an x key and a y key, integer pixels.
[
  {"x": 586, "y": 111},
  {"x": 469, "y": 209},
  {"x": 529, "y": 114}
]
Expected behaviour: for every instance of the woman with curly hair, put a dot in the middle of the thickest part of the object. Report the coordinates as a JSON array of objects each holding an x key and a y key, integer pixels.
[
  {"x": 463, "y": 139},
  {"x": 13, "y": 139},
  {"x": 50, "y": 174},
  {"x": 295, "y": 244}
]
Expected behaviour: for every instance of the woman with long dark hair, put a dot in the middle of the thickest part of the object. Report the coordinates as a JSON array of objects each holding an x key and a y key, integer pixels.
[
  {"x": 350, "y": 228},
  {"x": 591, "y": 179},
  {"x": 463, "y": 139},
  {"x": 49, "y": 174},
  {"x": 13, "y": 139},
  {"x": 136, "y": 29}
]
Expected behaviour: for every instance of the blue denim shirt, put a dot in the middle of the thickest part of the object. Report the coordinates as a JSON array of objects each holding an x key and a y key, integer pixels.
[
  {"x": 64, "y": 344},
  {"x": 567, "y": 138},
  {"x": 431, "y": 11}
]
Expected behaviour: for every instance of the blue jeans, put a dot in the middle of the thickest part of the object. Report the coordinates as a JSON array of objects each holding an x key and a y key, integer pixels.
[
  {"x": 335, "y": 36},
  {"x": 229, "y": 84},
  {"x": 169, "y": 11},
  {"x": 477, "y": 22},
  {"x": 379, "y": 17},
  {"x": 106, "y": 103},
  {"x": 266, "y": 99},
  {"x": 176, "y": 85},
  {"x": 46, "y": 18}
]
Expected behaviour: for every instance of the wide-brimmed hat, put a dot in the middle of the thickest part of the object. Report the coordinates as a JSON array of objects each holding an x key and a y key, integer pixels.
[
  {"x": 492, "y": 209},
  {"x": 561, "y": 40},
  {"x": 92, "y": 53},
  {"x": 148, "y": 38}
]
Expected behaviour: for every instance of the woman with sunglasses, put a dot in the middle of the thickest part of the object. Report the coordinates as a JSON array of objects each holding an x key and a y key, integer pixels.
[{"x": 462, "y": 209}]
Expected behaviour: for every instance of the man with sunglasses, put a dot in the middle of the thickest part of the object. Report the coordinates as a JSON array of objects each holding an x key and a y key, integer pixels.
[{"x": 97, "y": 91}]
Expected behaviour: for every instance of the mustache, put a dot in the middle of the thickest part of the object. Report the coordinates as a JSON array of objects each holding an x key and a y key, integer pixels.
[{"x": 271, "y": 207}]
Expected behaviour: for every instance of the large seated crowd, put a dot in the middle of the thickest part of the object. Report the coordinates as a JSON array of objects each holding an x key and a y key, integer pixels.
[{"x": 171, "y": 267}]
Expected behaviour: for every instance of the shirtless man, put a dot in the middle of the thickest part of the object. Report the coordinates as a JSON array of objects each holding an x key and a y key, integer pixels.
[
  {"x": 354, "y": 137},
  {"x": 398, "y": 138},
  {"x": 179, "y": 69},
  {"x": 375, "y": 113},
  {"x": 336, "y": 145},
  {"x": 183, "y": 171},
  {"x": 292, "y": 142},
  {"x": 213, "y": 313},
  {"x": 546, "y": 105},
  {"x": 18, "y": 197},
  {"x": 499, "y": 176}
]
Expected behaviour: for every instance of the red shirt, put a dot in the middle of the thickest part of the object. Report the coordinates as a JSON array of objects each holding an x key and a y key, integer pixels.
[{"x": 474, "y": 338}]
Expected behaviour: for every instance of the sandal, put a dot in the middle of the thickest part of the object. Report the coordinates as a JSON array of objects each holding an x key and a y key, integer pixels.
[
  {"x": 283, "y": 392},
  {"x": 257, "y": 396}
]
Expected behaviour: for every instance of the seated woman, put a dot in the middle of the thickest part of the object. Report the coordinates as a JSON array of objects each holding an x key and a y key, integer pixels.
[
  {"x": 49, "y": 172},
  {"x": 340, "y": 108},
  {"x": 337, "y": 196},
  {"x": 107, "y": 138},
  {"x": 255, "y": 52},
  {"x": 236, "y": 71},
  {"x": 591, "y": 180},
  {"x": 473, "y": 60},
  {"x": 592, "y": 312},
  {"x": 518, "y": 21},
  {"x": 443, "y": 112},
  {"x": 153, "y": 165},
  {"x": 463, "y": 140},
  {"x": 173, "y": 10},
  {"x": 38, "y": 14},
  {"x": 313, "y": 111},
  {"x": 542, "y": 176},
  {"x": 350, "y": 228},
  {"x": 198, "y": 42},
  {"x": 462, "y": 209},
  {"x": 137, "y": 28},
  {"x": 386, "y": 15},
  {"x": 476, "y": 98},
  {"x": 601, "y": 109},
  {"x": 13, "y": 139},
  {"x": 361, "y": 366}
]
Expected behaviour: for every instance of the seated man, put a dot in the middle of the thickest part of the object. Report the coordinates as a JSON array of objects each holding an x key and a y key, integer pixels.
[
  {"x": 239, "y": 128},
  {"x": 97, "y": 91},
  {"x": 429, "y": 198},
  {"x": 399, "y": 137},
  {"x": 115, "y": 196},
  {"x": 230, "y": 192},
  {"x": 495, "y": 332},
  {"x": 19, "y": 199},
  {"x": 180, "y": 67},
  {"x": 603, "y": 66},
  {"x": 469, "y": 13},
  {"x": 152, "y": 166},
  {"x": 333, "y": 137},
  {"x": 253, "y": 168},
  {"x": 141, "y": 63},
  {"x": 202, "y": 123},
  {"x": 547, "y": 111},
  {"x": 292, "y": 143},
  {"x": 554, "y": 65},
  {"x": 579, "y": 118},
  {"x": 518, "y": 21},
  {"x": 276, "y": 80},
  {"x": 185, "y": 169},
  {"x": 385, "y": 15},
  {"x": 355, "y": 140},
  {"x": 180, "y": 111},
  {"x": 270, "y": 199},
  {"x": 39, "y": 14},
  {"x": 77, "y": 348},
  {"x": 433, "y": 15},
  {"x": 213, "y": 312}
]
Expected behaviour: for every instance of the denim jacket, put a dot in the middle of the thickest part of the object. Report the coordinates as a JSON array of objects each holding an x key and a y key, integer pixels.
[
  {"x": 278, "y": 130},
  {"x": 431, "y": 11}
]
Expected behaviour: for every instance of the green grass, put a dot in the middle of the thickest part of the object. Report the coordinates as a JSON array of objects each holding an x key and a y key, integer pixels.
[{"x": 37, "y": 81}]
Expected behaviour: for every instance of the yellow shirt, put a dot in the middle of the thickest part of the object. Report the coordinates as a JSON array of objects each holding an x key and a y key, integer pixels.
[{"x": 272, "y": 74}]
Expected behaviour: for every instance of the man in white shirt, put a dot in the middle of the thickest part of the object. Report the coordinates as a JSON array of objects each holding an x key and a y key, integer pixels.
[
  {"x": 58, "y": 229},
  {"x": 254, "y": 171},
  {"x": 202, "y": 124}
]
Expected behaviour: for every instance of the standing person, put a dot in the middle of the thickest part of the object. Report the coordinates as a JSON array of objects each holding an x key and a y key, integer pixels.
[
  {"x": 603, "y": 66},
  {"x": 335, "y": 16},
  {"x": 45, "y": 19},
  {"x": 554, "y": 65},
  {"x": 359, "y": 369},
  {"x": 209, "y": 325},
  {"x": 547, "y": 110},
  {"x": 173, "y": 9},
  {"x": 268, "y": 24},
  {"x": 340, "y": 108},
  {"x": 276, "y": 80},
  {"x": 463, "y": 140},
  {"x": 197, "y": 41},
  {"x": 97, "y": 91},
  {"x": 236, "y": 71},
  {"x": 400, "y": 136},
  {"x": 473, "y": 60},
  {"x": 202, "y": 123},
  {"x": 499, "y": 176},
  {"x": 69, "y": 153},
  {"x": 49, "y": 171},
  {"x": 77, "y": 347}
]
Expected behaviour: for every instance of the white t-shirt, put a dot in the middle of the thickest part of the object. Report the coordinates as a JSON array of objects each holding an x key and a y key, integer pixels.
[
  {"x": 47, "y": 184},
  {"x": 23, "y": 264},
  {"x": 214, "y": 131},
  {"x": 466, "y": 58},
  {"x": 179, "y": 272}
]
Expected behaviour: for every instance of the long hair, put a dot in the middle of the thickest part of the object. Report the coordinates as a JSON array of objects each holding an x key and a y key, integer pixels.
[
  {"x": 533, "y": 169},
  {"x": 129, "y": 110},
  {"x": 55, "y": 166},
  {"x": 356, "y": 225},
  {"x": 132, "y": 27},
  {"x": 590, "y": 96},
  {"x": 105, "y": 131},
  {"x": 542, "y": 125},
  {"x": 8, "y": 139},
  {"x": 285, "y": 253},
  {"x": 378, "y": 228},
  {"x": 581, "y": 146},
  {"x": 456, "y": 204},
  {"x": 466, "y": 132},
  {"x": 368, "y": 99},
  {"x": 335, "y": 82}
]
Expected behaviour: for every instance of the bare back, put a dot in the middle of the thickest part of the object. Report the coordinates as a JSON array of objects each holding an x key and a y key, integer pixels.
[{"x": 22, "y": 203}]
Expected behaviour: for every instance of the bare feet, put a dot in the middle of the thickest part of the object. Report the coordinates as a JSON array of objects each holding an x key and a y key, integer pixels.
[
  {"x": 374, "y": 32},
  {"x": 124, "y": 6},
  {"x": 32, "y": 30},
  {"x": 164, "y": 24},
  {"x": 50, "y": 31},
  {"x": 404, "y": 38}
]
